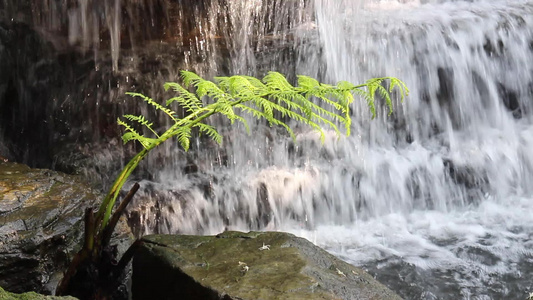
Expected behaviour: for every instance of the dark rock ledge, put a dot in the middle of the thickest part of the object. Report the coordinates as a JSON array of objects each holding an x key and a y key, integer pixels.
[{"x": 40, "y": 225}]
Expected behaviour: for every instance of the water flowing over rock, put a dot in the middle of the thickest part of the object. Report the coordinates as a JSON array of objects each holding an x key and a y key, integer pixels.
[{"x": 238, "y": 265}]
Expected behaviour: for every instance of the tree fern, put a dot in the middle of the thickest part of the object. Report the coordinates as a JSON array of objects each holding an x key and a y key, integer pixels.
[
  {"x": 264, "y": 99},
  {"x": 273, "y": 99}
]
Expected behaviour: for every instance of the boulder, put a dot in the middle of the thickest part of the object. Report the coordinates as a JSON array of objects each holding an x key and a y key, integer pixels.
[
  {"x": 254, "y": 265},
  {"x": 30, "y": 296},
  {"x": 40, "y": 225}
]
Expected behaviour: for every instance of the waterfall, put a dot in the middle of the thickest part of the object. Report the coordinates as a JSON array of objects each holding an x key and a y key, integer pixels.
[
  {"x": 434, "y": 199},
  {"x": 446, "y": 178},
  {"x": 436, "y": 192}
]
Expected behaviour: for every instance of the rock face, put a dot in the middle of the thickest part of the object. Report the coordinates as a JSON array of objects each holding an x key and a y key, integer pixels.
[
  {"x": 40, "y": 213},
  {"x": 254, "y": 265}
]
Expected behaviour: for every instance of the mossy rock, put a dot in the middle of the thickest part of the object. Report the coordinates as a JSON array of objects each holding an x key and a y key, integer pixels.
[
  {"x": 4, "y": 295},
  {"x": 255, "y": 265}
]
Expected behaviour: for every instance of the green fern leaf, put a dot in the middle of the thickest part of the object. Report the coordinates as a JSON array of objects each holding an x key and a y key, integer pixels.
[
  {"x": 277, "y": 81},
  {"x": 210, "y": 131},
  {"x": 190, "y": 78},
  {"x": 384, "y": 93},
  {"x": 158, "y": 106},
  {"x": 132, "y": 135},
  {"x": 223, "y": 83},
  {"x": 308, "y": 83},
  {"x": 183, "y": 134},
  {"x": 141, "y": 120},
  {"x": 260, "y": 86},
  {"x": 186, "y": 99}
]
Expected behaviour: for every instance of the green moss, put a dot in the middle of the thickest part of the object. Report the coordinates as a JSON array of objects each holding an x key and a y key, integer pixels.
[
  {"x": 237, "y": 265},
  {"x": 254, "y": 265},
  {"x": 4, "y": 295}
]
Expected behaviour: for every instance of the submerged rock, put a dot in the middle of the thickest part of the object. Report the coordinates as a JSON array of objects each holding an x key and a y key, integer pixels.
[
  {"x": 254, "y": 265},
  {"x": 40, "y": 214}
]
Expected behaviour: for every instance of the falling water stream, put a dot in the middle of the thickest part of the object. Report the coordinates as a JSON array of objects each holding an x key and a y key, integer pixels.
[
  {"x": 435, "y": 200},
  {"x": 447, "y": 183}
]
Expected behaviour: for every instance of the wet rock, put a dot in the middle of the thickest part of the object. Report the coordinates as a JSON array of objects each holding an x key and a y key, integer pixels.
[
  {"x": 254, "y": 265},
  {"x": 40, "y": 214},
  {"x": 264, "y": 215},
  {"x": 465, "y": 175},
  {"x": 446, "y": 91},
  {"x": 494, "y": 48},
  {"x": 510, "y": 100},
  {"x": 474, "y": 181},
  {"x": 24, "y": 125},
  {"x": 4, "y": 295}
]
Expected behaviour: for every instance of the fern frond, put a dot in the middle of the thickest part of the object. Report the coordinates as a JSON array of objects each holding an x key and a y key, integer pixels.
[
  {"x": 210, "y": 131},
  {"x": 203, "y": 87},
  {"x": 345, "y": 88},
  {"x": 318, "y": 119},
  {"x": 263, "y": 99},
  {"x": 190, "y": 78},
  {"x": 308, "y": 109},
  {"x": 158, "y": 106},
  {"x": 183, "y": 134},
  {"x": 186, "y": 99},
  {"x": 261, "y": 115},
  {"x": 384, "y": 93},
  {"x": 209, "y": 88},
  {"x": 258, "y": 84},
  {"x": 223, "y": 83},
  {"x": 369, "y": 97},
  {"x": 276, "y": 81},
  {"x": 241, "y": 87},
  {"x": 266, "y": 106},
  {"x": 226, "y": 109},
  {"x": 394, "y": 82},
  {"x": 310, "y": 113},
  {"x": 243, "y": 122},
  {"x": 141, "y": 120},
  {"x": 132, "y": 135},
  {"x": 308, "y": 83}
]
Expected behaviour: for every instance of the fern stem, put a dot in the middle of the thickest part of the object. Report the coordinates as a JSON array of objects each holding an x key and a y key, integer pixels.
[{"x": 104, "y": 212}]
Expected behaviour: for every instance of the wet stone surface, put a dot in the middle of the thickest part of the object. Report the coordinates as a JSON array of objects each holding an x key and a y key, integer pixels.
[
  {"x": 254, "y": 265},
  {"x": 40, "y": 225}
]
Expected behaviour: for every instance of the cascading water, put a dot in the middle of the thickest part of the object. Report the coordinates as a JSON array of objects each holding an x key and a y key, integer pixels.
[
  {"x": 434, "y": 200},
  {"x": 447, "y": 182}
]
